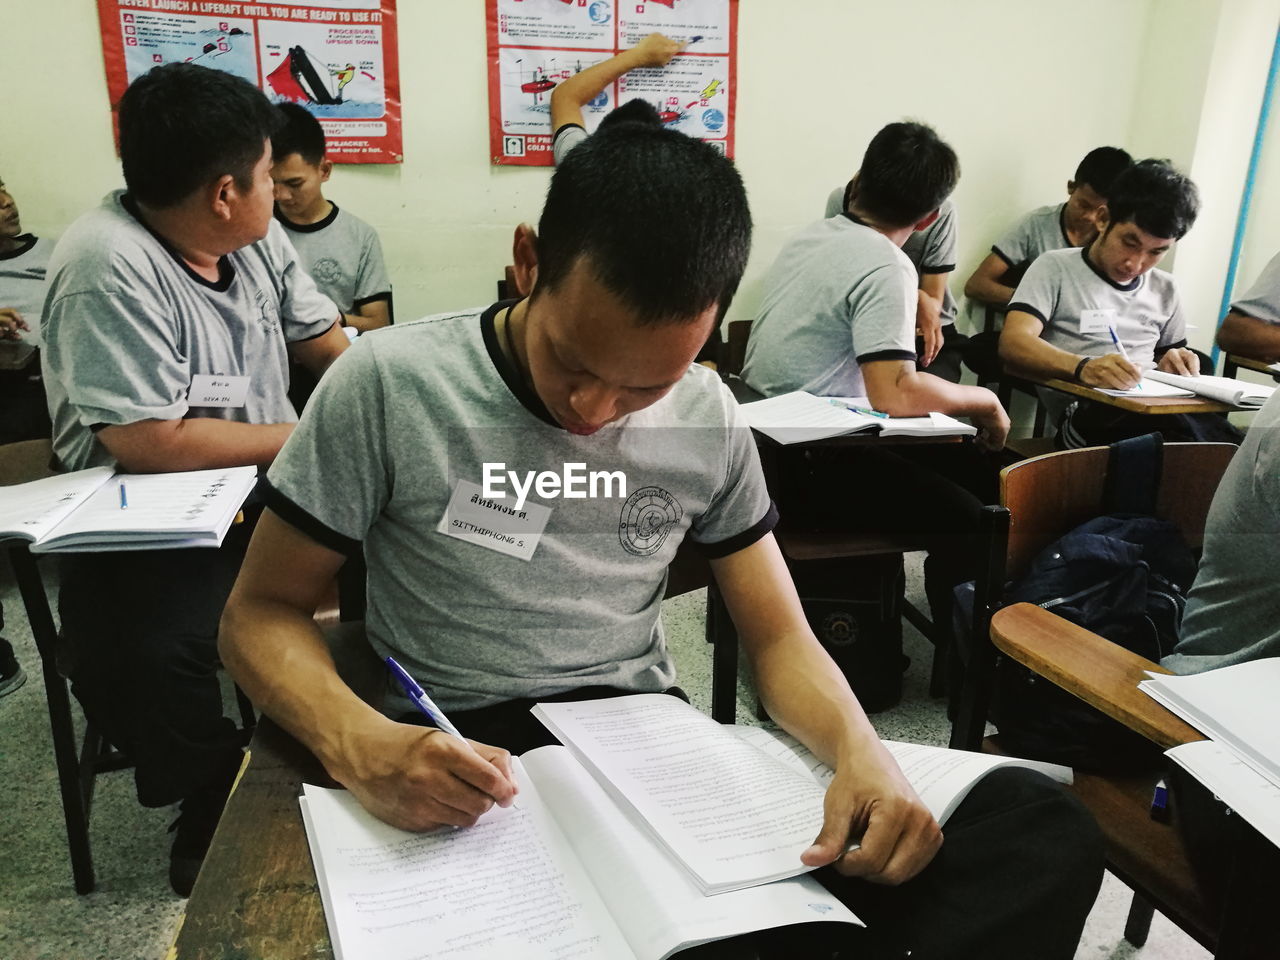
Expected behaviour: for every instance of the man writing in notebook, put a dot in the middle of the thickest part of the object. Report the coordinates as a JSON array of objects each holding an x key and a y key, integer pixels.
[
  {"x": 172, "y": 311},
  {"x": 1102, "y": 314},
  {"x": 494, "y": 602}
]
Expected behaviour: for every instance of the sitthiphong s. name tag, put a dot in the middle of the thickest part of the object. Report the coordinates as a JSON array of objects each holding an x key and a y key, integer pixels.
[
  {"x": 494, "y": 524},
  {"x": 213, "y": 390}
]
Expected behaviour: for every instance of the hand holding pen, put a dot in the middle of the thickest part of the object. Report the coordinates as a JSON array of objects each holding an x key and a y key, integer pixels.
[
  {"x": 1112, "y": 372},
  {"x": 454, "y": 780}
]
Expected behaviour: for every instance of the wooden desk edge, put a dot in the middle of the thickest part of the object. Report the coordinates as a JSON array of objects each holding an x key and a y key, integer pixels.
[{"x": 1147, "y": 405}]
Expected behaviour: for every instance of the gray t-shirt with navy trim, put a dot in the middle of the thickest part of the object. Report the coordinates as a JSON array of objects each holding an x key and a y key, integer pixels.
[
  {"x": 1233, "y": 608},
  {"x": 838, "y": 295},
  {"x": 24, "y": 281},
  {"x": 343, "y": 255},
  {"x": 1040, "y": 231},
  {"x": 410, "y": 411},
  {"x": 931, "y": 250},
  {"x": 1263, "y": 298},
  {"x": 128, "y": 325},
  {"x": 1062, "y": 284}
]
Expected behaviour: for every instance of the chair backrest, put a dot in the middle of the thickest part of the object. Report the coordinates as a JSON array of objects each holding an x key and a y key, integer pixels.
[
  {"x": 1049, "y": 495},
  {"x": 735, "y": 348}
]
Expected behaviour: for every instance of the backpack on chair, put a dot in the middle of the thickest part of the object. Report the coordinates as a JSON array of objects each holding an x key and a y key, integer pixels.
[{"x": 1123, "y": 575}]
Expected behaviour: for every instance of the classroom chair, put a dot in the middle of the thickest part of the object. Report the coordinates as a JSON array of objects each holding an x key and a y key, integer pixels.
[
  {"x": 807, "y": 550},
  {"x": 1042, "y": 499}
]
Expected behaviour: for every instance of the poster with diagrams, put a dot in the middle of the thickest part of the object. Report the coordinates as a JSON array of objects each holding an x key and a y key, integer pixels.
[
  {"x": 337, "y": 58},
  {"x": 534, "y": 45}
]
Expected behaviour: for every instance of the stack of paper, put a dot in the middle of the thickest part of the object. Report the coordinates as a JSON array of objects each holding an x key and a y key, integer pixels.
[
  {"x": 1237, "y": 393},
  {"x": 1236, "y": 707},
  {"x": 1148, "y": 387}
]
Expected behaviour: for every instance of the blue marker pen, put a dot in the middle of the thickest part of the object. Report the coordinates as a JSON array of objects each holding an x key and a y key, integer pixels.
[{"x": 124, "y": 498}]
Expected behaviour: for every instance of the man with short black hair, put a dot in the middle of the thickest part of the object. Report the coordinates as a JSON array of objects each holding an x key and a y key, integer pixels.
[
  {"x": 1074, "y": 306},
  {"x": 1072, "y": 223},
  {"x": 340, "y": 251},
  {"x": 838, "y": 318},
  {"x": 181, "y": 278},
  {"x": 493, "y": 610}
]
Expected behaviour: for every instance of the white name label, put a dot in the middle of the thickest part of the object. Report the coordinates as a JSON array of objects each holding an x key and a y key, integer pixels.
[
  {"x": 493, "y": 523},
  {"x": 211, "y": 390},
  {"x": 1097, "y": 321}
]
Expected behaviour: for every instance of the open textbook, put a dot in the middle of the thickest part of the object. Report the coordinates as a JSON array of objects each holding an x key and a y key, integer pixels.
[
  {"x": 735, "y": 805},
  {"x": 97, "y": 509},
  {"x": 564, "y": 874},
  {"x": 1237, "y": 393},
  {"x": 1236, "y": 706},
  {"x": 801, "y": 417}
]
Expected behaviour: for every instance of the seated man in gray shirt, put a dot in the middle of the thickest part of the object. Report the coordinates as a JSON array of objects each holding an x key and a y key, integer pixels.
[
  {"x": 340, "y": 251},
  {"x": 1073, "y": 306},
  {"x": 1072, "y": 223},
  {"x": 932, "y": 251},
  {"x": 24, "y": 264},
  {"x": 838, "y": 318},
  {"x": 1252, "y": 326},
  {"x": 495, "y": 601},
  {"x": 180, "y": 280}
]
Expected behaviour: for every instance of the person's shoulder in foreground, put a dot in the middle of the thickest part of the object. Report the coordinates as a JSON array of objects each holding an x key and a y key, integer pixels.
[
  {"x": 1072, "y": 223},
  {"x": 341, "y": 252},
  {"x": 1233, "y": 608}
]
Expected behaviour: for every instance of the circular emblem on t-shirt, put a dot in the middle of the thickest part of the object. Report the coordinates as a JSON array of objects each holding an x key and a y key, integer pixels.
[
  {"x": 326, "y": 270},
  {"x": 647, "y": 518}
]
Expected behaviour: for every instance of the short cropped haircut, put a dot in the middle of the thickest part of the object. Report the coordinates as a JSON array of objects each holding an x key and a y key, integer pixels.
[
  {"x": 1100, "y": 167},
  {"x": 659, "y": 218},
  {"x": 906, "y": 173},
  {"x": 300, "y": 133},
  {"x": 1156, "y": 197},
  {"x": 183, "y": 126},
  {"x": 633, "y": 111}
]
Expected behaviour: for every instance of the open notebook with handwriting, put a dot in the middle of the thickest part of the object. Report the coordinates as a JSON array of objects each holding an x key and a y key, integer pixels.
[{"x": 801, "y": 417}]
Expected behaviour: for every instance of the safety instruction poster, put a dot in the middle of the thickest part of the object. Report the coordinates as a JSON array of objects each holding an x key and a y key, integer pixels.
[
  {"x": 534, "y": 45},
  {"x": 339, "y": 59}
]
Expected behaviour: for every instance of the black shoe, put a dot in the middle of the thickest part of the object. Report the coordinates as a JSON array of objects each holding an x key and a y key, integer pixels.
[
  {"x": 193, "y": 831},
  {"x": 11, "y": 674}
]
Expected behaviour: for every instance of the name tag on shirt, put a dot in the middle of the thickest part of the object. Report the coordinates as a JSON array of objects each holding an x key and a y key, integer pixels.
[
  {"x": 493, "y": 524},
  {"x": 211, "y": 390},
  {"x": 1096, "y": 321}
]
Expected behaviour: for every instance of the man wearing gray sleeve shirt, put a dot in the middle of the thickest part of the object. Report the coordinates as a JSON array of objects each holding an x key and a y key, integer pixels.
[
  {"x": 1072, "y": 303},
  {"x": 497, "y": 598},
  {"x": 1252, "y": 327},
  {"x": 161, "y": 290}
]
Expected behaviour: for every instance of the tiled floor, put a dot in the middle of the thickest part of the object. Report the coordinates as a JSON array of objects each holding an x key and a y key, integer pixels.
[{"x": 133, "y": 915}]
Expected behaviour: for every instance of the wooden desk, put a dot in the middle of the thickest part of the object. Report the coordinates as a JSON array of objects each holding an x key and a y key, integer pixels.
[
  {"x": 1138, "y": 404},
  {"x": 1233, "y": 360},
  {"x": 256, "y": 895}
]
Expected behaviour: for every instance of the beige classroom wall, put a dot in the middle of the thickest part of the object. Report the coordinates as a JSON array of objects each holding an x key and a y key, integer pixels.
[{"x": 1022, "y": 90}]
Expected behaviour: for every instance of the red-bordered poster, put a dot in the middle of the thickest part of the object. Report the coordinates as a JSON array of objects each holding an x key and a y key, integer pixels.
[
  {"x": 337, "y": 58},
  {"x": 534, "y": 44}
]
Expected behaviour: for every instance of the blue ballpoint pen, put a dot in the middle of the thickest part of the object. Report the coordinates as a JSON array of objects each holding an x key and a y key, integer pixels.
[
  {"x": 419, "y": 697},
  {"x": 413, "y": 690},
  {"x": 124, "y": 499},
  {"x": 1120, "y": 348}
]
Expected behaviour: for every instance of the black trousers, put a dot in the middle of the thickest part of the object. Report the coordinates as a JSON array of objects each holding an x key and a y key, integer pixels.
[
  {"x": 947, "y": 363},
  {"x": 143, "y": 628},
  {"x": 931, "y": 494},
  {"x": 1019, "y": 869},
  {"x": 1089, "y": 424}
]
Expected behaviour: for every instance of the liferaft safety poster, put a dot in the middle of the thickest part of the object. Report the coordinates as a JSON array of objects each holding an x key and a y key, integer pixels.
[
  {"x": 534, "y": 45},
  {"x": 339, "y": 59}
]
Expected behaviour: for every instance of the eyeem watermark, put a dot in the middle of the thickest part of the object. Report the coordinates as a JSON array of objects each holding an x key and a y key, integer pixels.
[{"x": 574, "y": 483}]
